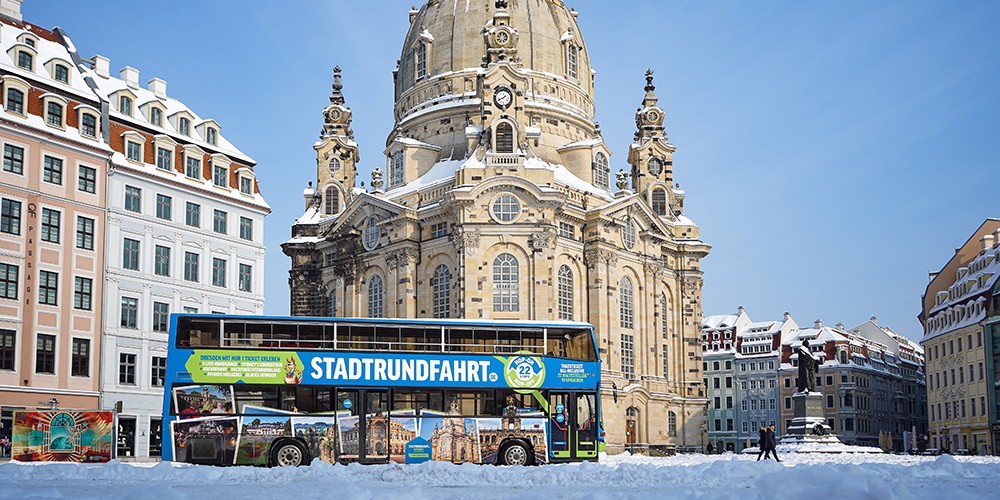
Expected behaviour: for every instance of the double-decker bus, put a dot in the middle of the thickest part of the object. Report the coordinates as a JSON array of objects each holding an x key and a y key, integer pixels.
[{"x": 281, "y": 391}]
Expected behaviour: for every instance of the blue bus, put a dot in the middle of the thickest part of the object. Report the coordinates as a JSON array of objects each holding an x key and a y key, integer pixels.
[{"x": 282, "y": 391}]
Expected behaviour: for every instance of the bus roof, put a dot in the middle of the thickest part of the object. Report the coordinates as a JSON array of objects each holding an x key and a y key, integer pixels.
[{"x": 405, "y": 321}]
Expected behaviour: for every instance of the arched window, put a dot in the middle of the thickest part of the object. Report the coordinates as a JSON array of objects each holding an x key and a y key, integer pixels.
[
  {"x": 565, "y": 285},
  {"x": 660, "y": 201},
  {"x": 504, "y": 138},
  {"x": 571, "y": 61},
  {"x": 601, "y": 170},
  {"x": 333, "y": 302},
  {"x": 625, "y": 307},
  {"x": 672, "y": 424},
  {"x": 396, "y": 169},
  {"x": 332, "y": 200},
  {"x": 421, "y": 62},
  {"x": 334, "y": 165},
  {"x": 376, "y": 297},
  {"x": 442, "y": 292},
  {"x": 628, "y": 233},
  {"x": 506, "y": 296},
  {"x": 628, "y": 356},
  {"x": 663, "y": 315}
]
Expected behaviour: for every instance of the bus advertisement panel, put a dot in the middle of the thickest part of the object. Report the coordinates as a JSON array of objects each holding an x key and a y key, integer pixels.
[{"x": 338, "y": 401}]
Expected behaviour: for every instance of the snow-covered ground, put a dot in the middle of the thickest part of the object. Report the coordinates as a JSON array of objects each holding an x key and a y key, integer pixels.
[{"x": 817, "y": 477}]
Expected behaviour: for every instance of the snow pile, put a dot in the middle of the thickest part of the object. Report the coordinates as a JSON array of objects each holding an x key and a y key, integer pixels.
[{"x": 620, "y": 476}]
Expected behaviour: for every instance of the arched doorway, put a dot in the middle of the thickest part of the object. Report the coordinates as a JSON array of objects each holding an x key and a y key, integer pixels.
[{"x": 631, "y": 428}]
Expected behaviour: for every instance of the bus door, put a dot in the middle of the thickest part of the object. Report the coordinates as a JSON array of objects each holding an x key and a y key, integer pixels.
[
  {"x": 363, "y": 418},
  {"x": 573, "y": 425}
]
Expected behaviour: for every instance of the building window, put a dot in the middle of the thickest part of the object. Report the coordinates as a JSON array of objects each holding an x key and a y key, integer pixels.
[
  {"x": 161, "y": 261},
  {"x": 628, "y": 356},
  {"x": 157, "y": 375},
  {"x": 246, "y": 228},
  {"x": 8, "y": 281},
  {"x": 506, "y": 292},
  {"x": 220, "y": 177},
  {"x": 211, "y": 136},
  {"x": 442, "y": 292},
  {"x": 565, "y": 290},
  {"x": 566, "y": 230},
  {"x": 13, "y": 159},
  {"x": 246, "y": 278},
  {"x": 625, "y": 307},
  {"x": 133, "y": 151},
  {"x": 25, "y": 60},
  {"x": 125, "y": 105},
  {"x": 331, "y": 200},
  {"x": 87, "y": 181},
  {"x": 218, "y": 272},
  {"x": 48, "y": 288},
  {"x": 126, "y": 368},
  {"x": 161, "y": 313},
  {"x": 190, "y": 266},
  {"x": 192, "y": 216},
  {"x": 372, "y": 233},
  {"x": 333, "y": 165},
  {"x": 52, "y": 169},
  {"x": 130, "y": 312},
  {"x": 220, "y": 221},
  {"x": 164, "y": 159},
  {"x": 672, "y": 424},
  {"x": 53, "y": 115},
  {"x": 660, "y": 201},
  {"x": 164, "y": 207},
  {"x": 396, "y": 169},
  {"x": 50, "y": 225},
  {"x": 60, "y": 73},
  {"x": 504, "y": 138},
  {"x": 45, "y": 354},
  {"x": 133, "y": 199},
  {"x": 663, "y": 316},
  {"x": 84, "y": 232},
  {"x": 506, "y": 208},
  {"x": 246, "y": 185},
  {"x": 571, "y": 61},
  {"x": 7, "y": 349},
  {"x": 192, "y": 167},
  {"x": 15, "y": 101},
  {"x": 88, "y": 125},
  {"x": 421, "y": 60},
  {"x": 156, "y": 116},
  {"x": 82, "y": 293},
  {"x": 81, "y": 358},
  {"x": 10, "y": 217},
  {"x": 439, "y": 230},
  {"x": 184, "y": 126},
  {"x": 628, "y": 233},
  {"x": 130, "y": 254},
  {"x": 375, "y": 297}
]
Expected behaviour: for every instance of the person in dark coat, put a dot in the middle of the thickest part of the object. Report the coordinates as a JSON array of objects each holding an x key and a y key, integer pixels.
[
  {"x": 772, "y": 444},
  {"x": 761, "y": 442}
]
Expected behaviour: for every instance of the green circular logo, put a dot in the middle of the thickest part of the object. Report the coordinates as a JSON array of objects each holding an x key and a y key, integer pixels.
[{"x": 524, "y": 372}]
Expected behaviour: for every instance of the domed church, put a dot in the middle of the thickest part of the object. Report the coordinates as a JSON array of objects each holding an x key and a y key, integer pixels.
[{"x": 497, "y": 201}]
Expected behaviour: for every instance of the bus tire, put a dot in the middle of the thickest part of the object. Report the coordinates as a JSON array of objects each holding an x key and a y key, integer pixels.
[
  {"x": 288, "y": 453},
  {"x": 516, "y": 453}
]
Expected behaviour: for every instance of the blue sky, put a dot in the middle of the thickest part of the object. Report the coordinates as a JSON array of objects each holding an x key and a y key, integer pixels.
[{"x": 833, "y": 153}]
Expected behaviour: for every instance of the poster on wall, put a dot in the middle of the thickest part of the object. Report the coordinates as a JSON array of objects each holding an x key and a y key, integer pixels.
[{"x": 62, "y": 436}]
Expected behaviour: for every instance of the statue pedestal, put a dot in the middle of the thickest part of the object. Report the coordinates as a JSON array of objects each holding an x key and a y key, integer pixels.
[{"x": 808, "y": 423}]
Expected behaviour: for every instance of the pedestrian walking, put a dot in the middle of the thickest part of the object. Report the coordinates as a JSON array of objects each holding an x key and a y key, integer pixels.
[
  {"x": 761, "y": 442},
  {"x": 772, "y": 444}
]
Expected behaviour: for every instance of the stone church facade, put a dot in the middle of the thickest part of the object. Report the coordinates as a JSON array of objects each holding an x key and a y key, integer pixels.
[{"x": 497, "y": 201}]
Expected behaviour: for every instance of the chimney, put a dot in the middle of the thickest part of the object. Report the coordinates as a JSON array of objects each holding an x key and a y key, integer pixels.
[
  {"x": 100, "y": 65},
  {"x": 873, "y": 319},
  {"x": 131, "y": 76},
  {"x": 739, "y": 310},
  {"x": 840, "y": 326},
  {"x": 787, "y": 316},
  {"x": 996, "y": 237},
  {"x": 987, "y": 241},
  {"x": 818, "y": 324},
  {"x": 158, "y": 87},
  {"x": 11, "y": 9}
]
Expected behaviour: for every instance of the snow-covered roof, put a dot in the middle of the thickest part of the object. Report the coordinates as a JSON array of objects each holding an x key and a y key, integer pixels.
[
  {"x": 718, "y": 321},
  {"x": 48, "y": 50}
]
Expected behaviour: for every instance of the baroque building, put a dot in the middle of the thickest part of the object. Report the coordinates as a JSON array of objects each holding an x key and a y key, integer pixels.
[{"x": 497, "y": 200}]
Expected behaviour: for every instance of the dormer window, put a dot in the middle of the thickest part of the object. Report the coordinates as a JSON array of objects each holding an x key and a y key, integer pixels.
[
  {"x": 184, "y": 126},
  {"x": 125, "y": 105},
  {"x": 155, "y": 116},
  {"x": 192, "y": 166},
  {"x": 30, "y": 42},
  {"x": 60, "y": 73},
  {"x": 246, "y": 185},
  {"x": 211, "y": 136},
  {"x": 220, "y": 176},
  {"x": 25, "y": 60},
  {"x": 88, "y": 120},
  {"x": 600, "y": 168},
  {"x": 420, "y": 54},
  {"x": 15, "y": 101},
  {"x": 133, "y": 144},
  {"x": 55, "y": 110},
  {"x": 396, "y": 169}
]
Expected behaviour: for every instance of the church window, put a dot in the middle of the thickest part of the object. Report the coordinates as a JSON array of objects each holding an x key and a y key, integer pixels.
[
  {"x": 372, "y": 233},
  {"x": 571, "y": 54},
  {"x": 663, "y": 318},
  {"x": 331, "y": 200},
  {"x": 376, "y": 297},
  {"x": 566, "y": 230},
  {"x": 505, "y": 283},
  {"x": 601, "y": 170},
  {"x": 442, "y": 292},
  {"x": 565, "y": 285},
  {"x": 628, "y": 234},
  {"x": 660, "y": 201},
  {"x": 672, "y": 424},
  {"x": 334, "y": 165},
  {"x": 504, "y": 138},
  {"x": 421, "y": 62},
  {"x": 625, "y": 308},
  {"x": 396, "y": 169},
  {"x": 628, "y": 356},
  {"x": 506, "y": 208}
]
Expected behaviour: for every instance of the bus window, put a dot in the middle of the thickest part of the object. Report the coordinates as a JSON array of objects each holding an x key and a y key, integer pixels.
[
  {"x": 306, "y": 399},
  {"x": 386, "y": 338},
  {"x": 571, "y": 343},
  {"x": 532, "y": 340},
  {"x": 234, "y": 334},
  {"x": 311, "y": 336},
  {"x": 460, "y": 340},
  {"x": 412, "y": 339},
  {"x": 467, "y": 402},
  {"x": 286, "y": 334},
  {"x": 358, "y": 337},
  {"x": 259, "y": 334},
  {"x": 198, "y": 332},
  {"x": 485, "y": 340},
  {"x": 260, "y": 397}
]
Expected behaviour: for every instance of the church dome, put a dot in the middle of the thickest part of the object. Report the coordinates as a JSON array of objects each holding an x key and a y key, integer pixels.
[{"x": 446, "y": 49}]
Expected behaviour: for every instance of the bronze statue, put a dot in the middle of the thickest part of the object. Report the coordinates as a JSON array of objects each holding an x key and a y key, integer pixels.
[{"x": 808, "y": 365}]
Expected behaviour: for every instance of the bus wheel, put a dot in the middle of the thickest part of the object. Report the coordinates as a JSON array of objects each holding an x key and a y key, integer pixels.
[
  {"x": 288, "y": 454},
  {"x": 516, "y": 454}
]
